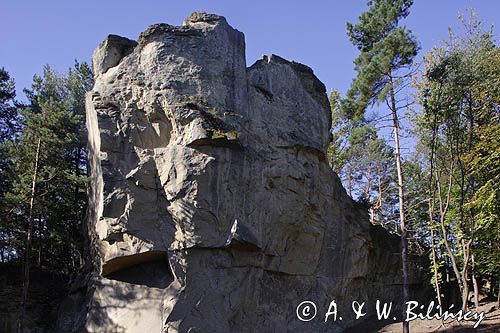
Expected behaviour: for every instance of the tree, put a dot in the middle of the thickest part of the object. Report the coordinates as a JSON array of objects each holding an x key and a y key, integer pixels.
[
  {"x": 10, "y": 122},
  {"x": 363, "y": 162},
  {"x": 460, "y": 96},
  {"x": 10, "y": 126},
  {"x": 386, "y": 52},
  {"x": 337, "y": 149},
  {"x": 379, "y": 188},
  {"x": 45, "y": 202}
]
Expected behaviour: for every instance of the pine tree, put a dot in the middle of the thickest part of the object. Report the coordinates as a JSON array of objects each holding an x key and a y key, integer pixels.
[
  {"x": 46, "y": 198},
  {"x": 10, "y": 122},
  {"x": 10, "y": 128},
  {"x": 362, "y": 160},
  {"x": 386, "y": 51}
]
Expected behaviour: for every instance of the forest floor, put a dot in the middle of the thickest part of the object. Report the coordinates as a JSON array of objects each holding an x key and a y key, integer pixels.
[{"x": 490, "y": 323}]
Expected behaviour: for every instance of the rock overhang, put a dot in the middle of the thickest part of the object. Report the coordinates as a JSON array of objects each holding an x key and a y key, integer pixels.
[{"x": 219, "y": 172}]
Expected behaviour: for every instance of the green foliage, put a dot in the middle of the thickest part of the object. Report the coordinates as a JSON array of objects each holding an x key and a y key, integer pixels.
[
  {"x": 9, "y": 118},
  {"x": 363, "y": 161},
  {"x": 55, "y": 117},
  {"x": 458, "y": 132},
  {"x": 9, "y": 130},
  {"x": 384, "y": 48},
  {"x": 336, "y": 152},
  {"x": 484, "y": 164}
]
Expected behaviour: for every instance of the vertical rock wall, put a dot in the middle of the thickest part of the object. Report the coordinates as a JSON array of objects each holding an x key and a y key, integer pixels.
[{"x": 213, "y": 208}]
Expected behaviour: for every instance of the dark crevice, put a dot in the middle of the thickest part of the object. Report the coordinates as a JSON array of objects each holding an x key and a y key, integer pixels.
[
  {"x": 218, "y": 142},
  {"x": 149, "y": 269},
  {"x": 267, "y": 94}
]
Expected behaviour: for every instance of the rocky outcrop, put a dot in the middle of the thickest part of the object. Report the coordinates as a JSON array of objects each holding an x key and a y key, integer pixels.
[{"x": 213, "y": 208}]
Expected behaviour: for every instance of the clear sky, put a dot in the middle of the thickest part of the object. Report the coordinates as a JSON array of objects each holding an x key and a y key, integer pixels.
[{"x": 34, "y": 33}]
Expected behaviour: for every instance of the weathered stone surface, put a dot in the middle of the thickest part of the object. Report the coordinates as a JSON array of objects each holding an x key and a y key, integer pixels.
[
  {"x": 109, "y": 53},
  {"x": 213, "y": 208}
]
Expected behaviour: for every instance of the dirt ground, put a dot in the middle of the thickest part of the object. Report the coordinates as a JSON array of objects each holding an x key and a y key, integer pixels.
[{"x": 490, "y": 324}]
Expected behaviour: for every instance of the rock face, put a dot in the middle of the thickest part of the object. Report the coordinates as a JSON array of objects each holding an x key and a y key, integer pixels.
[{"x": 213, "y": 208}]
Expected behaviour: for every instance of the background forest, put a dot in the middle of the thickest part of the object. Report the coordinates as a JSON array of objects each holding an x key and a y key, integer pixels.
[{"x": 441, "y": 193}]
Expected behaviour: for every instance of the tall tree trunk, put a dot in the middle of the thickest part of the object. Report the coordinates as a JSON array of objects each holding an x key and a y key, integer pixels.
[
  {"x": 498, "y": 298},
  {"x": 367, "y": 192},
  {"x": 465, "y": 295},
  {"x": 40, "y": 241},
  {"x": 399, "y": 169},
  {"x": 474, "y": 282},
  {"x": 465, "y": 274},
  {"x": 29, "y": 236},
  {"x": 435, "y": 266},
  {"x": 443, "y": 209},
  {"x": 378, "y": 204},
  {"x": 431, "y": 204},
  {"x": 453, "y": 261}
]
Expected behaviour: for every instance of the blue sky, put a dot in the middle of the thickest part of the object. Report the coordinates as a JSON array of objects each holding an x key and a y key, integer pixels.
[{"x": 34, "y": 33}]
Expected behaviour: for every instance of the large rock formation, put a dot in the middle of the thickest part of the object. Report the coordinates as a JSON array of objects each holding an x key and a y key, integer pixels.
[{"x": 213, "y": 208}]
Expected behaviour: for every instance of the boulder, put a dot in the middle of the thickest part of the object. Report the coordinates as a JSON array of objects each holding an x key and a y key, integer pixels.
[{"x": 212, "y": 205}]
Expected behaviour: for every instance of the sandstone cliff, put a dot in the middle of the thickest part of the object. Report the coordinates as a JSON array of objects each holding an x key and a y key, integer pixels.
[{"x": 213, "y": 208}]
